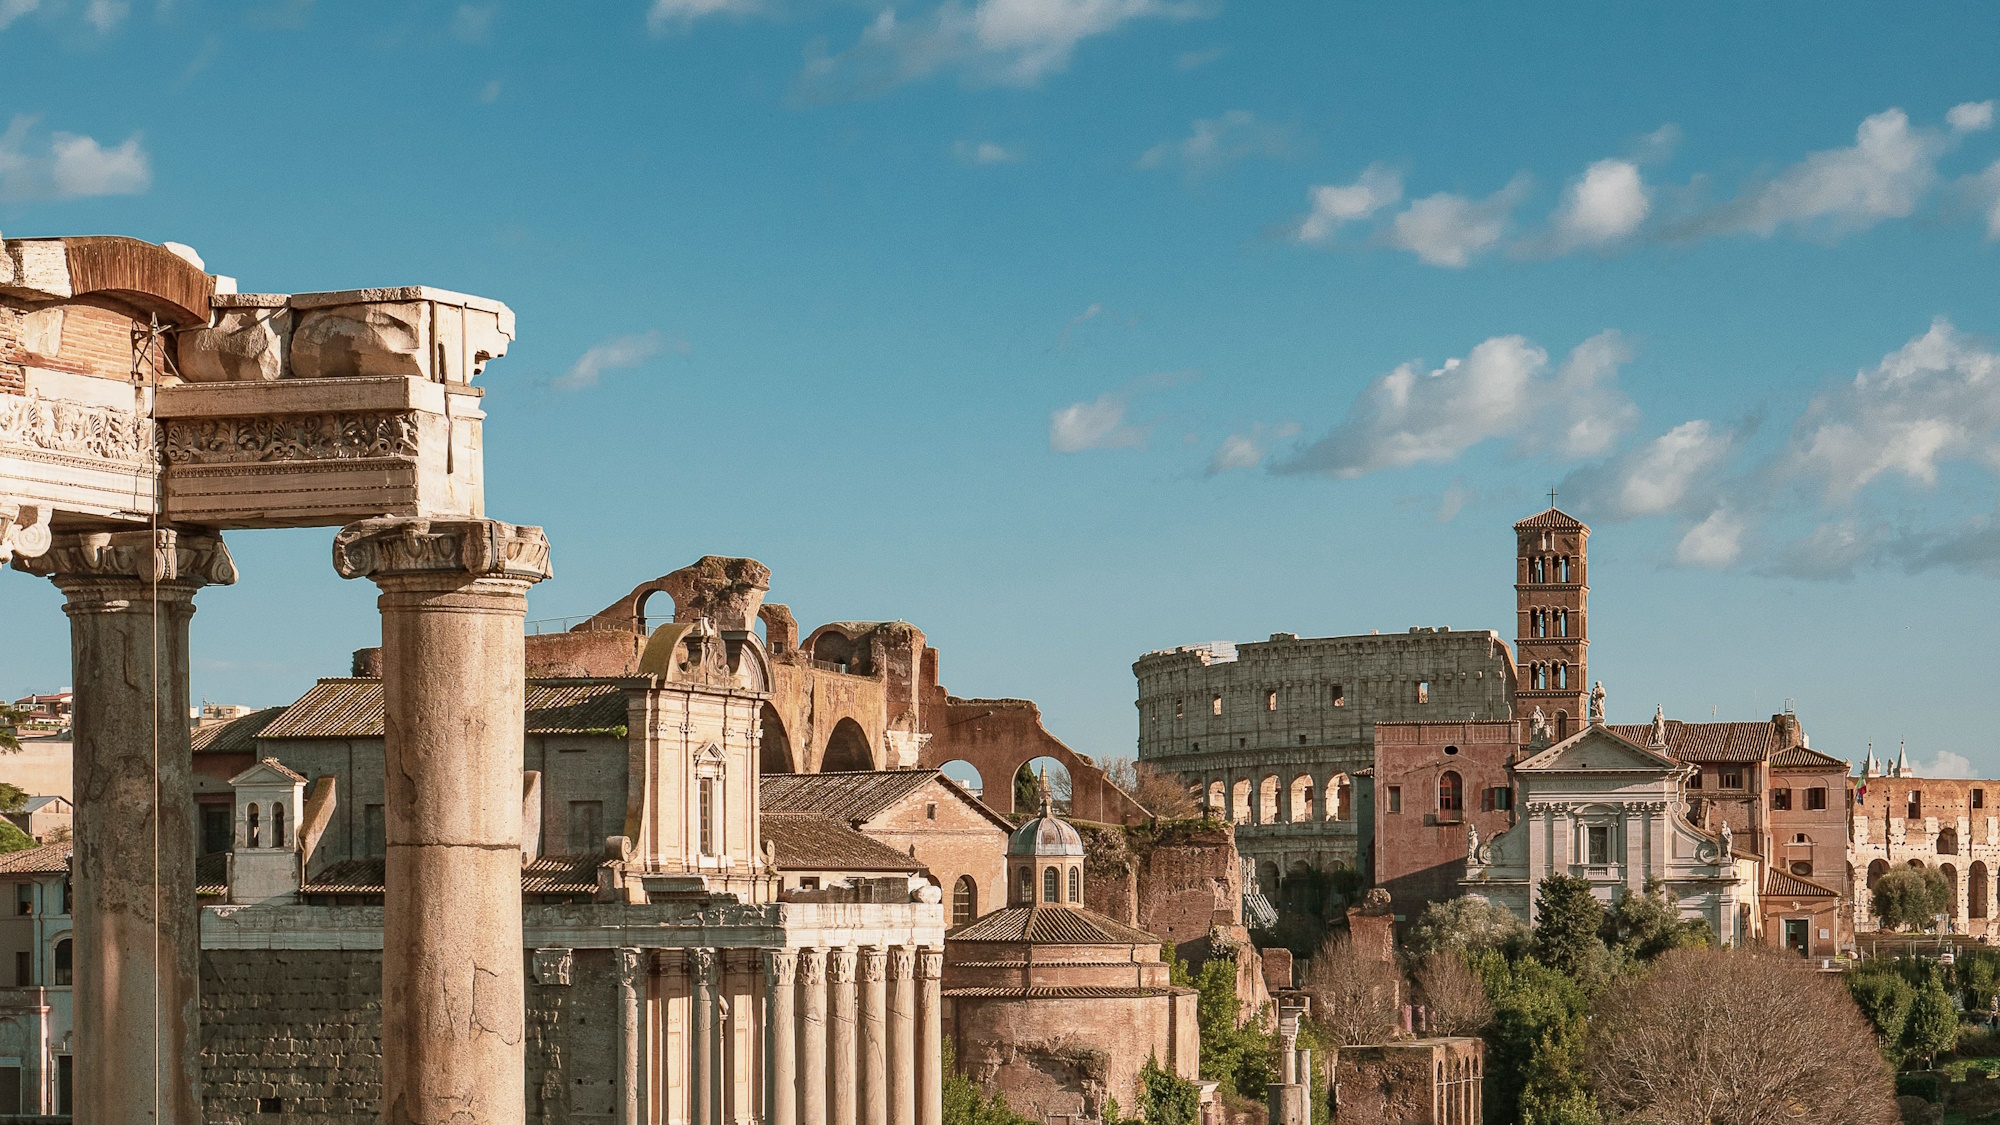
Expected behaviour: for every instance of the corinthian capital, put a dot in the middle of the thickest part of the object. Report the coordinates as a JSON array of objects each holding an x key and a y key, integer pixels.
[
  {"x": 400, "y": 546},
  {"x": 874, "y": 963},
  {"x": 24, "y": 530},
  {"x": 159, "y": 555},
  {"x": 930, "y": 963}
]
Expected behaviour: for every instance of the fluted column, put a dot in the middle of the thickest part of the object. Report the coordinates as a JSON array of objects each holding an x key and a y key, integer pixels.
[
  {"x": 930, "y": 1037},
  {"x": 136, "y": 946},
  {"x": 812, "y": 1037},
  {"x": 902, "y": 1036},
  {"x": 843, "y": 1037},
  {"x": 454, "y": 592},
  {"x": 702, "y": 1086},
  {"x": 631, "y": 970},
  {"x": 781, "y": 1034},
  {"x": 874, "y": 1056}
]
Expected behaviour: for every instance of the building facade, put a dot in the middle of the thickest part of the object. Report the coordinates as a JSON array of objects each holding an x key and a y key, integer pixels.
[
  {"x": 37, "y": 952},
  {"x": 1949, "y": 825}
]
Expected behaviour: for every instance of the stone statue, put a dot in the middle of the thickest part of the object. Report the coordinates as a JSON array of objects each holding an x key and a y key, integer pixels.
[
  {"x": 1538, "y": 729},
  {"x": 1597, "y": 703},
  {"x": 1659, "y": 726},
  {"x": 1472, "y": 843},
  {"x": 1727, "y": 850}
]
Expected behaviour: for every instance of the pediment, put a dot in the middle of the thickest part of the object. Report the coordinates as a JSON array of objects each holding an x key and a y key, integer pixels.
[
  {"x": 268, "y": 771},
  {"x": 1597, "y": 749}
]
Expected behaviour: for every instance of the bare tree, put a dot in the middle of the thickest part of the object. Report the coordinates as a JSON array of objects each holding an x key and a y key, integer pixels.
[
  {"x": 1735, "y": 1037},
  {"x": 1161, "y": 791},
  {"x": 1354, "y": 996},
  {"x": 1452, "y": 994}
]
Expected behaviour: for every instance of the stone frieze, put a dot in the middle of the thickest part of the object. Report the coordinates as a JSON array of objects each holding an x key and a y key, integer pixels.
[
  {"x": 312, "y": 437},
  {"x": 76, "y": 429}
]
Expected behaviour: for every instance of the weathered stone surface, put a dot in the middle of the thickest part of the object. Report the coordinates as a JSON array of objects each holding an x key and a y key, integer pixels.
[
  {"x": 361, "y": 340},
  {"x": 246, "y": 344}
]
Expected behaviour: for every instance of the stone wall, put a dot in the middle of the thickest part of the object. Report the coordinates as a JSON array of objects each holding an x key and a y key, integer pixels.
[
  {"x": 1414, "y": 1082},
  {"x": 13, "y": 376}
]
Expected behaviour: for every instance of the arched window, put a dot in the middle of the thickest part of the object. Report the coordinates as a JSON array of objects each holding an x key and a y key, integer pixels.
[
  {"x": 1947, "y": 841},
  {"x": 1977, "y": 889},
  {"x": 1562, "y": 675},
  {"x": 1562, "y": 568},
  {"x": 1535, "y": 569},
  {"x": 64, "y": 973},
  {"x": 1027, "y": 887},
  {"x": 964, "y": 901},
  {"x": 1562, "y": 623},
  {"x": 277, "y": 824},
  {"x": 1051, "y": 889},
  {"x": 1451, "y": 792},
  {"x": 250, "y": 829},
  {"x": 1562, "y": 725},
  {"x": 1538, "y": 622},
  {"x": 1076, "y": 885}
]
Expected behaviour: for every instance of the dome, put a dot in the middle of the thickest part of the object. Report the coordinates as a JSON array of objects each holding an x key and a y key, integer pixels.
[{"x": 1046, "y": 835}]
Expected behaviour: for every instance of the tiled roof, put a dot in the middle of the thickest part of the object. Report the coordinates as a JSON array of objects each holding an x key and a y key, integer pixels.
[
  {"x": 279, "y": 768},
  {"x": 1555, "y": 519},
  {"x": 806, "y": 841},
  {"x": 1054, "y": 925},
  {"x": 1710, "y": 742},
  {"x": 1794, "y": 757},
  {"x": 352, "y": 708},
  {"x": 348, "y": 877},
  {"x": 845, "y": 797},
  {"x": 1084, "y": 992},
  {"x": 237, "y": 736},
  {"x": 211, "y": 875},
  {"x": 1783, "y": 884},
  {"x": 47, "y": 859},
  {"x": 544, "y": 875}
]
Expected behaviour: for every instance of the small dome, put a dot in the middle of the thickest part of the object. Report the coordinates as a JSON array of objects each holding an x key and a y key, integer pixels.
[{"x": 1046, "y": 835}]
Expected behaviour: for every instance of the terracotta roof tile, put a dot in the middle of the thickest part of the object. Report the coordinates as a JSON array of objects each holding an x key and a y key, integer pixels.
[
  {"x": 1082, "y": 992},
  {"x": 811, "y": 842},
  {"x": 845, "y": 797},
  {"x": 237, "y": 736},
  {"x": 47, "y": 859},
  {"x": 1796, "y": 757},
  {"x": 1710, "y": 742},
  {"x": 1053, "y": 925},
  {"x": 1555, "y": 519},
  {"x": 211, "y": 875},
  {"x": 341, "y": 707},
  {"x": 1783, "y": 884},
  {"x": 544, "y": 875}
]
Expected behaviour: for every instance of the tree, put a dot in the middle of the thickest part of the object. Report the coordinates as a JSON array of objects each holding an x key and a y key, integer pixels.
[
  {"x": 1165, "y": 1098},
  {"x": 1452, "y": 994},
  {"x": 1884, "y": 997},
  {"x": 1647, "y": 925},
  {"x": 1468, "y": 925},
  {"x": 1160, "y": 791},
  {"x": 11, "y": 717},
  {"x": 13, "y": 798},
  {"x": 1735, "y": 1037},
  {"x": 1567, "y": 919},
  {"x": 13, "y": 839},
  {"x": 1534, "y": 1043},
  {"x": 1910, "y": 897},
  {"x": 1354, "y": 996},
  {"x": 1236, "y": 1055},
  {"x": 1932, "y": 1026}
]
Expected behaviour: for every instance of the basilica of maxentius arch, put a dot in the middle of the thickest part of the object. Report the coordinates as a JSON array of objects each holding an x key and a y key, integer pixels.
[{"x": 145, "y": 408}]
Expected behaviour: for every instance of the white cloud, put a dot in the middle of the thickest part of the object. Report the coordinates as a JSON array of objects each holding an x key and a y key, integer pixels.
[
  {"x": 72, "y": 167},
  {"x": 1335, "y": 205},
  {"x": 1606, "y": 206},
  {"x": 679, "y": 15},
  {"x": 1213, "y": 143},
  {"x": 1657, "y": 477},
  {"x": 984, "y": 152},
  {"x": 1946, "y": 764},
  {"x": 1714, "y": 542},
  {"x": 106, "y": 14},
  {"x": 490, "y": 92},
  {"x": 1935, "y": 399},
  {"x": 1456, "y": 496},
  {"x": 1247, "y": 450},
  {"x": 996, "y": 42},
  {"x": 1970, "y": 117},
  {"x": 1447, "y": 229},
  {"x": 1094, "y": 425},
  {"x": 1833, "y": 551},
  {"x": 472, "y": 23},
  {"x": 11, "y": 10},
  {"x": 615, "y": 354},
  {"x": 1985, "y": 191},
  {"x": 1502, "y": 388}
]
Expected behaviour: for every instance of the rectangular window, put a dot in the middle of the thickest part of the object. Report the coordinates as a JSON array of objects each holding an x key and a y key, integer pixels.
[
  {"x": 809, "y": 882},
  {"x": 1339, "y": 699},
  {"x": 706, "y": 798},
  {"x": 1731, "y": 779},
  {"x": 1215, "y": 705},
  {"x": 1979, "y": 798},
  {"x": 1503, "y": 798},
  {"x": 24, "y": 899},
  {"x": 1694, "y": 778},
  {"x": 10, "y": 1089},
  {"x": 1423, "y": 691},
  {"x": 214, "y": 829},
  {"x": 1916, "y": 806},
  {"x": 1597, "y": 840},
  {"x": 1486, "y": 799},
  {"x": 586, "y": 827},
  {"x": 24, "y": 970},
  {"x": 1271, "y": 700},
  {"x": 930, "y": 811},
  {"x": 374, "y": 832},
  {"x": 1395, "y": 798},
  {"x": 1816, "y": 798},
  {"x": 1781, "y": 800}
]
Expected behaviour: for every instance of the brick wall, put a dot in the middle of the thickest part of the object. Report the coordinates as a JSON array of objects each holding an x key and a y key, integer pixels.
[
  {"x": 13, "y": 380},
  {"x": 1420, "y": 847}
]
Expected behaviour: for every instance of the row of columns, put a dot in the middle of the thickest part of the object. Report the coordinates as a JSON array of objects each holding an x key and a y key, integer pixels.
[{"x": 855, "y": 1036}]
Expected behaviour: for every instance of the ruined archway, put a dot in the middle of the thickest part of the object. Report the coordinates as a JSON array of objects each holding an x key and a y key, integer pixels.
[
  {"x": 774, "y": 746},
  {"x": 966, "y": 774},
  {"x": 999, "y": 736},
  {"x": 1267, "y": 799},
  {"x": 1302, "y": 798},
  {"x": 1239, "y": 801},
  {"x": 847, "y": 749}
]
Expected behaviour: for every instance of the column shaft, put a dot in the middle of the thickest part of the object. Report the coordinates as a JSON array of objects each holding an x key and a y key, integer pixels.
[
  {"x": 874, "y": 1051},
  {"x": 136, "y": 945},
  {"x": 702, "y": 1085},
  {"x": 902, "y": 1036},
  {"x": 812, "y": 1037},
  {"x": 930, "y": 1037},
  {"x": 630, "y": 967},
  {"x": 781, "y": 1034},
  {"x": 453, "y": 596},
  {"x": 843, "y": 1036}
]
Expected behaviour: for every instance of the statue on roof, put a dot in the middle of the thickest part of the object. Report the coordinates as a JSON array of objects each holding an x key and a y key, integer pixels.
[
  {"x": 1597, "y": 704},
  {"x": 1727, "y": 846},
  {"x": 1660, "y": 727}
]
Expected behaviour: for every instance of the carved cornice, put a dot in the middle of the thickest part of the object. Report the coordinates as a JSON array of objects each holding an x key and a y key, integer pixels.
[
  {"x": 874, "y": 965},
  {"x": 400, "y": 546},
  {"x": 161, "y": 555},
  {"x": 294, "y": 437},
  {"x": 75, "y": 429}
]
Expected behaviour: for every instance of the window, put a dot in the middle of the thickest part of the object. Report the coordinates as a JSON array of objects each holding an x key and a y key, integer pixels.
[
  {"x": 1562, "y": 675},
  {"x": 1271, "y": 699},
  {"x": 1916, "y": 806},
  {"x": 24, "y": 970},
  {"x": 1979, "y": 798},
  {"x": 1535, "y": 569},
  {"x": 1395, "y": 798},
  {"x": 66, "y": 894},
  {"x": 1597, "y": 845},
  {"x": 1537, "y": 624},
  {"x": 1562, "y": 623},
  {"x": 809, "y": 882},
  {"x": 964, "y": 901},
  {"x": 1562, "y": 725},
  {"x": 374, "y": 833},
  {"x": 250, "y": 829},
  {"x": 1450, "y": 792},
  {"x": 1423, "y": 691},
  {"x": 214, "y": 829},
  {"x": 1076, "y": 885},
  {"x": 586, "y": 826},
  {"x": 1562, "y": 568},
  {"x": 10, "y": 1089},
  {"x": 1027, "y": 887},
  {"x": 1302, "y": 740},
  {"x": 278, "y": 824},
  {"x": 63, "y": 970},
  {"x": 1502, "y": 797},
  {"x": 1731, "y": 779},
  {"x": 1051, "y": 888},
  {"x": 1215, "y": 705},
  {"x": 1816, "y": 798},
  {"x": 706, "y": 797},
  {"x": 1694, "y": 778},
  {"x": 1177, "y": 708},
  {"x": 270, "y": 1105},
  {"x": 930, "y": 811},
  {"x": 1339, "y": 699},
  {"x": 24, "y": 899},
  {"x": 1781, "y": 800}
]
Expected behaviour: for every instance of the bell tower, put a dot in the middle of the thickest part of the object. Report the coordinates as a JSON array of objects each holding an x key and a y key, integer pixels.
[{"x": 1552, "y": 600}]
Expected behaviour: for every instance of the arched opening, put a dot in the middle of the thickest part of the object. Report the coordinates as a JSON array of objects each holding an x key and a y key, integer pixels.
[
  {"x": 1977, "y": 890},
  {"x": 834, "y": 651},
  {"x": 1562, "y": 623},
  {"x": 774, "y": 746},
  {"x": 1028, "y": 786},
  {"x": 1239, "y": 802},
  {"x": 1026, "y": 895},
  {"x": 277, "y": 824},
  {"x": 1051, "y": 889},
  {"x": 1339, "y": 797},
  {"x": 964, "y": 901},
  {"x": 639, "y": 619},
  {"x": 252, "y": 828},
  {"x": 1562, "y": 725},
  {"x": 1267, "y": 799},
  {"x": 1302, "y": 798},
  {"x": 847, "y": 749},
  {"x": 1947, "y": 841},
  {"x": 966, "y": 774},
  {"x": 1917, "y": 864},
  {"x": 1215, "y": 804},
  {"x": 1451, "y": 795},
  {"x": 1562, "y": 674},
  {"x": 1951, "y": 887},
  {"x": 1076, "y": 885},
  {"x": 65, "y": 965},
  {"x": 1267, "y": 878}
]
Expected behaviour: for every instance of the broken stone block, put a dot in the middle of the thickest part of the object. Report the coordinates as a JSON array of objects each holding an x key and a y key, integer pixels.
[
  {"x": 376, "y": 339},
  {"x": 246, "y": 344}
]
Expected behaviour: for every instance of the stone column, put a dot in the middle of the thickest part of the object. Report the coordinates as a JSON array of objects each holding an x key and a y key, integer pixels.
[
  {"x": 874, "y": 1060},
  {"x": 781, "y": 1032},
  {"x": 454, "y": 592},
  {"x": 843, "y": 1037},
  {"x": 930, "y": 1037},
  {"x": 136, "y": 944},
  {"x": 631, "y": 967},
  {"x": 702, "y": 1085},
  {"x": 902, "y": 1036},
  {"x": 812, "y": 1037}
]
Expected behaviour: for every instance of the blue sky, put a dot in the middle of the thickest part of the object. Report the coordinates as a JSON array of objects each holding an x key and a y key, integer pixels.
[{"x": 1070, "y": 329}]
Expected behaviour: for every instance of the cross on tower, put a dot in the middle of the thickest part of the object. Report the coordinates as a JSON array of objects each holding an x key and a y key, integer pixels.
[{"x": 1552, "y": 498}]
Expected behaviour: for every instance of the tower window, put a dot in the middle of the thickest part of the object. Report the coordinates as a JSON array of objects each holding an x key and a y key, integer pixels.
[
  {"x": 1423, "y": 691},
  {"x": 707, "y": 800},
  {"x": 1215, "y": 705},
  {"x": 1271, "y": 699},
  {"x": 1076, "y": 885},
  {"x": 1816, "y": 798},
  {"x": 1979, "y": 798},
  {"x": 251, "y": 829},
  {"x": 1177, "y": 709},
  {"x": 1562, "y": 623},
  {"x": 1051, "y": 889},
  {"x": 1562, "y": 568},
  {"x": 1562, "y": 675}
]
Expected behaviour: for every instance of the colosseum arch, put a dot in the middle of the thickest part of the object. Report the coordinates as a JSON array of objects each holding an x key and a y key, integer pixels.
[
  {"x": 1978, "y": 890},
  {"x": 847, "y": 749},
  {"x": 1216, "y": 802},
  {"x": 1239, "y": 801},
  {"x": 1302, "y": 798}
]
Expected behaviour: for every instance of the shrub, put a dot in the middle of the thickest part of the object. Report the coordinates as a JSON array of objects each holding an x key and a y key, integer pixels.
[
  {"x": 1165, "y": 1098},
  {"x": 1927, "y": 1085}
]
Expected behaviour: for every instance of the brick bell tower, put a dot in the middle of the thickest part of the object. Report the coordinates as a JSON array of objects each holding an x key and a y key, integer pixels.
[{"x": 1552, "y": 600}]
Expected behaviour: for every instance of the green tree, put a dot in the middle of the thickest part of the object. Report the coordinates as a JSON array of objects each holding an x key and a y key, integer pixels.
[
  {"x": 965, "y": 1105},
  {"x": 1910, "y": 897},
  {"x": 13, "y": 839},
  {"x": 1643, "y": 926},
  {"x": 1568, "y": 918},
  {"x": 10, "y": 718},
  {"x": 1469, "y": 925},
  {"x": 1534, "y": 1043},
  {"x": 1884, "y": 997},
  {"x": 1932, "y": 1027},
  {"x": 1027, "y": 792},
  {"x": 1165, "y": 1098},
  {"x": 13, "y": 798},
  {"x": 1236, "y": 1055}
]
